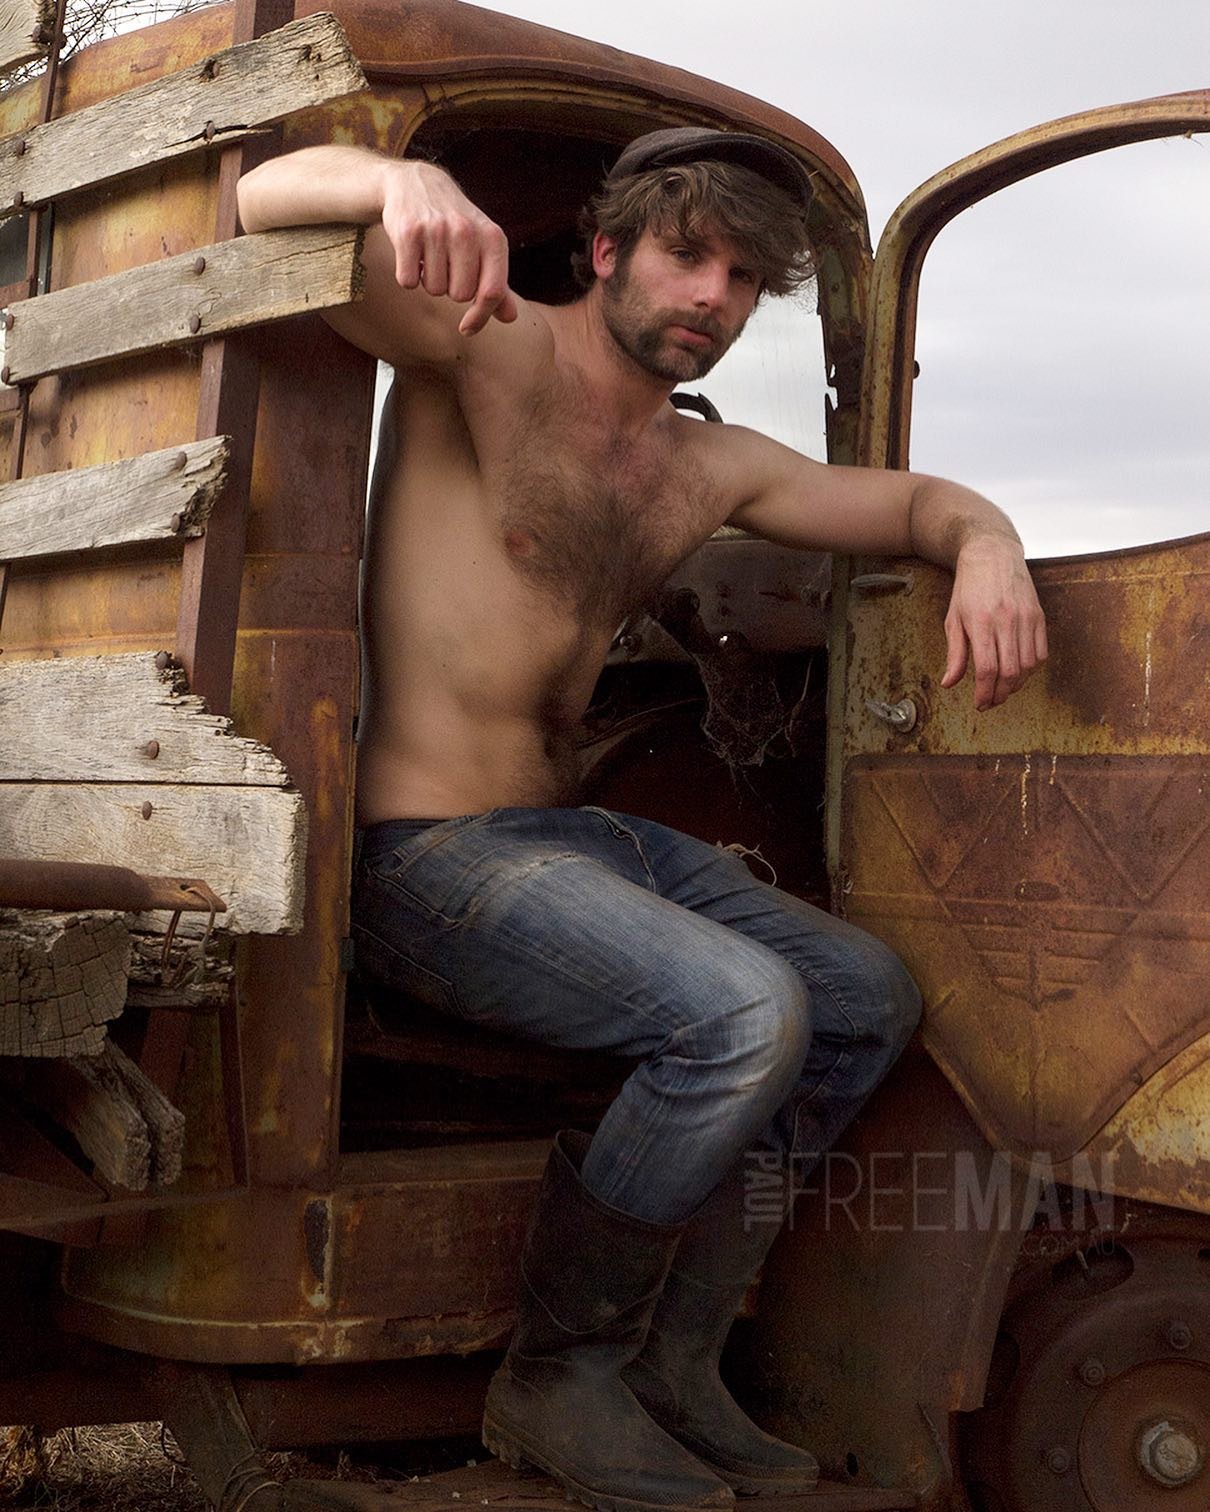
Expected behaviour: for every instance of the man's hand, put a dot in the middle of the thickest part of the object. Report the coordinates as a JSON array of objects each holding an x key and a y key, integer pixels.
[
  {"x": 435, "y": 237},
  {"x": 445, "y": 244},
  {"x": 995, "y": 618}
]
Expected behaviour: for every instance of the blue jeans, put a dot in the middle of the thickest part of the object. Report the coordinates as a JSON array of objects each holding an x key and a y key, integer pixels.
[{"x": 761, "y": 1023}]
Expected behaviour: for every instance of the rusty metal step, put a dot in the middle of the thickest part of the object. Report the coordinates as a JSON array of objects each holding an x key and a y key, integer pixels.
[{"x": 495, "y": 1486}]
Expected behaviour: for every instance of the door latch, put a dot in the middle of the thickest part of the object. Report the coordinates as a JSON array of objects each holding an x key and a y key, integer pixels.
[{"x": 900, "y": 716}]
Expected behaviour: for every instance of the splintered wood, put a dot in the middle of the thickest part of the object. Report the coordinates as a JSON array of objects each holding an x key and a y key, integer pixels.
[
  {"x": 121, "y": 1120},
  {"x": 25, "y": 27},
  {"x": 119, "y": 719},
  {"x": 226, "y": 287},
  {"x": 158, "y": 496},
  {"x": 62, "y": 979},
  {"x": 111, "y": 760},
  {"x": 220, "y": 100}
]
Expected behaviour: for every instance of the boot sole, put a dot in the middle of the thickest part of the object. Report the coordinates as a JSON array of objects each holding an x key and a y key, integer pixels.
[
  {"x": 512, "y": 1449},
  {"x": 748, "y": 1487}
]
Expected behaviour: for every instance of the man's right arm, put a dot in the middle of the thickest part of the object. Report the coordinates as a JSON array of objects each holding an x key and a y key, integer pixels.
[{"x": 425, "y": 240}]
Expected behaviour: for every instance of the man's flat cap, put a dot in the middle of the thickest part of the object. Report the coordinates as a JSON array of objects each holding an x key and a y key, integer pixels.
[{"x": 695, "y": 144}]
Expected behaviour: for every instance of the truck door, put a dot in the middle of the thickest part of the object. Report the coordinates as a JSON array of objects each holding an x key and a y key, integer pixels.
[{"x": 1042, "y": 867}]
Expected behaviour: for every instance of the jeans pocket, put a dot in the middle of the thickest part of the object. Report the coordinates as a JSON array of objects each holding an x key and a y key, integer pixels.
[
  {"x": 432, "y": 868},
  {"x": 384, "y": 964}
]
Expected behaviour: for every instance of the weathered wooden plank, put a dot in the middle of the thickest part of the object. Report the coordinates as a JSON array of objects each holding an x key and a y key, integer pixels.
[
  {"x": 25, "y": 27},
  {"x": 226, "y": 287},
  {"x": 62, "y": 978},
  {"x": 159, "y": 496},
  {"x": 119, "y": 719},
  {"x": 87, "y": 1097},
  {"x": 121, "y": 1120},
  {"x": 221, "y": 99},
  {"x": 248, "y": 842},
  {"x": 185, "y": 983}
]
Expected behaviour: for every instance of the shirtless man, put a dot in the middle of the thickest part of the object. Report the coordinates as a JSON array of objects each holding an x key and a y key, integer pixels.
[{"x": 534, "y": 487}]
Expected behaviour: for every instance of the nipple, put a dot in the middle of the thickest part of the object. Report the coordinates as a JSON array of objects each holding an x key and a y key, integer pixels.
[{"x": 519, "y": 543}]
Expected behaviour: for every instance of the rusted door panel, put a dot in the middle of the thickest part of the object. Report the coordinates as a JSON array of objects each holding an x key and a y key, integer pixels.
[
  {"x": 1044, "y": 867},
  {"x": 1053, "y": 910}
]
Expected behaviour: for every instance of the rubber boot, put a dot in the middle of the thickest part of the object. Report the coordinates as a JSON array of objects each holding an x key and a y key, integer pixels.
[
  {"x": 590, "y": 1277},
  {"x": 676, "y": 1376}
]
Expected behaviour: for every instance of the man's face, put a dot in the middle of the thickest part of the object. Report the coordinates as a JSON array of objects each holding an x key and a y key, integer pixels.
[{"x": 675, "y": 306}]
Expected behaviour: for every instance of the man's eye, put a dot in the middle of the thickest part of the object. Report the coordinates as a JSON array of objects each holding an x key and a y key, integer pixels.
[
  {"x": 684, "y": 254},
  {"x": 743, "y": 275}
]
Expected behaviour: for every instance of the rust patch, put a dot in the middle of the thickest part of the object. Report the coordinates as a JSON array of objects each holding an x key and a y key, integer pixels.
[{"x": 1056, "y": 913}]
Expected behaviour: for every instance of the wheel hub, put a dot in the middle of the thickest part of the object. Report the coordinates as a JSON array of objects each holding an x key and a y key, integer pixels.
[{"x": 1099, "y": 1394}]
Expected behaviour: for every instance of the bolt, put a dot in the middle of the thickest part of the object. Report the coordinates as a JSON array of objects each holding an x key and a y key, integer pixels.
[
  {"x": 1170, "y": 1455},
  {"x": 1179, "y": 1335},
  {"x": 195, "y": 323},
  {"x": 199, "y": 264},
  {"x": 19, "y": 149},
  {"x": 146, "y": 811},
  {"x": 1092, "y": 1373},
  {"x": 1058, "y": 1461},
  {"x": 152, "y": 749}
]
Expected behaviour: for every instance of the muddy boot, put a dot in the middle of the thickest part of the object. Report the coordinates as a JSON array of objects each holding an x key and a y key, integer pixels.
[
  {"x": 676, "y": 1376},
  {"x": 590, "y": 1277}
]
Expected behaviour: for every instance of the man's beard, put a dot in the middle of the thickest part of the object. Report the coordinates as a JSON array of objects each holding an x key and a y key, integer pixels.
[{"x": 642, "y": 333}]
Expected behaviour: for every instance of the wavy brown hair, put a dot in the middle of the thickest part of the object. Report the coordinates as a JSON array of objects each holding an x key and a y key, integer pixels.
[{"x": 767, "y": 227}]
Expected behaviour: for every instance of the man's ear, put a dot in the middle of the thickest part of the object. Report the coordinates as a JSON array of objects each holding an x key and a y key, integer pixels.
[{"x": 604, "y": 255}]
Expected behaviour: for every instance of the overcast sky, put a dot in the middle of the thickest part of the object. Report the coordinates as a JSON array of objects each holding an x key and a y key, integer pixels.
[{"x": 1064, "y": 336}]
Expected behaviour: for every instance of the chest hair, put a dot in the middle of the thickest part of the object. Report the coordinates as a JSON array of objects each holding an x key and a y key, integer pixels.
[{"x": 594, "y": 519}]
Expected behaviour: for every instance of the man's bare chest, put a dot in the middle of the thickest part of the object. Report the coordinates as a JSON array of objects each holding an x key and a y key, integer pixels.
[{"x": 596, "y": 522}]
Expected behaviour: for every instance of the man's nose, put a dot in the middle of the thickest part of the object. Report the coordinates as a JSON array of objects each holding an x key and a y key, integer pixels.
[{"x": 713, "y": 286}]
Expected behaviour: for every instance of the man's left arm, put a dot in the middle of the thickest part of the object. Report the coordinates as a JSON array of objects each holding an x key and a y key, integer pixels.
[{"x": 994, "y": 618}]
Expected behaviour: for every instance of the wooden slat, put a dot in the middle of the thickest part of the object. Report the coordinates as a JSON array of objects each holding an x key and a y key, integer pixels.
[
  {"x": 24, "y": 28},
  {"x": 248, "y": 842},
  {"x": 62, "y": 978},
  {"x": 122, "y": 1122},
  {"x": 160, "y": 495},
  {"x": 243, "y": 282},
  {"x": 119, "y": 719},
  {"x": 222, "y": 99}
]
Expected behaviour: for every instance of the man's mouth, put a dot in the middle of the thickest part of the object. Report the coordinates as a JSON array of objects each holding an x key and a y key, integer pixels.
[{"x": 693, "y": 335}]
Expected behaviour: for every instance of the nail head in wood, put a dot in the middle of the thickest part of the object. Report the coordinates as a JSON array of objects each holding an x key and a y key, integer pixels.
[
  {"x": 152, "y": 748},
  {"x": 208, "y": 129},
  {"x": 4, "y": 374},
  {"x": 18, "y": 199},
  {"x": 146, "y": 811},
  {"x": 199, "y": 264},
  {"x": 175, "y": 522},
  {"x": 195, "y": 323},
  {"x": 9, "y": 320},
  {"x": 162, "y": 658},
  {"x": 19, "y": 149}
]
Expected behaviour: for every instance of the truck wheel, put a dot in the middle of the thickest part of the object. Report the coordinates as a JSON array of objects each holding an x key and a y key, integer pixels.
[{"x": 1098, "y": 1396}]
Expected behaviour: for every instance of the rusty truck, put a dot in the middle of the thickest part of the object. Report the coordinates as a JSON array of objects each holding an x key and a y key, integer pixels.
[{"x": 241, "y": 1193}]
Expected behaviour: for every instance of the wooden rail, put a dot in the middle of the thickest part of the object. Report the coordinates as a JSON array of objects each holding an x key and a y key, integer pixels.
[{"x": 224, "y": 98}]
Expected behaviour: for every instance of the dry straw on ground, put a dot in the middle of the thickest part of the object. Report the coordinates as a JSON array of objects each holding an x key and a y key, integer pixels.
[
  {"x": 136, "y": 1467},
  {"x": 131, "y": 1467}
]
